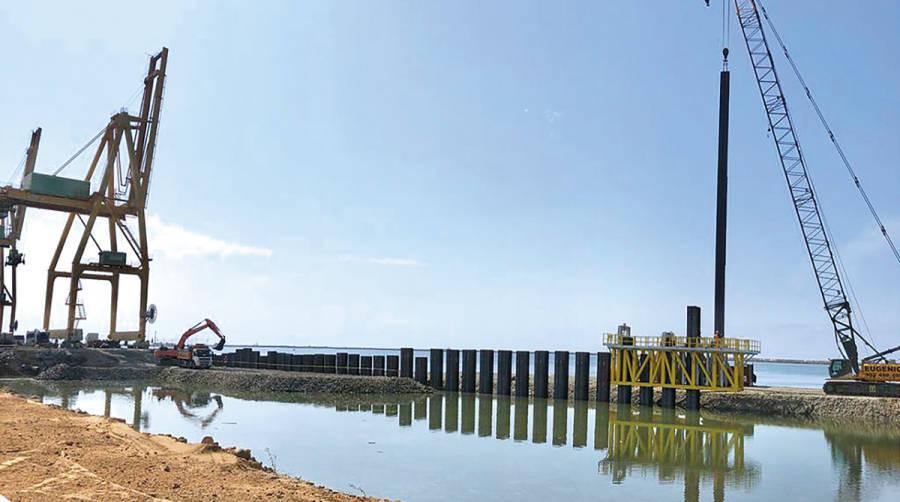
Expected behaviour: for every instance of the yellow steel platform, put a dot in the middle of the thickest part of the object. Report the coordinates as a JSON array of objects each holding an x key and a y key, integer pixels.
[{"x": 679, "y": 362}]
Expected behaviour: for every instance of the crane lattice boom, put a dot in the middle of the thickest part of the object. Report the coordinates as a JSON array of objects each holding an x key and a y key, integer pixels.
[{"x": 795, "y": 172}]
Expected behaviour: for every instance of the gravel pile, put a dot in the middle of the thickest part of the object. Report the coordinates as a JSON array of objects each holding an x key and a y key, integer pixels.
[
  {"x": 280, "y": 381},
  {"x": 64, "y": 371},
  {"x": 61, "y": 371},
  {"x": 31, "y": 361},
  {"x": 10, "y": 364}
]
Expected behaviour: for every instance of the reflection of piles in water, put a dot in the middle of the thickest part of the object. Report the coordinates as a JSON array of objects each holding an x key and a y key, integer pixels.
[{"x": 677, "y": 447}]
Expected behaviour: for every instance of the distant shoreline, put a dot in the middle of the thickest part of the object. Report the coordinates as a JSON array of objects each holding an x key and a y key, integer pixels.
[
  {"x": 755, "y": 359},
  {"x": 789, "y": 361}
]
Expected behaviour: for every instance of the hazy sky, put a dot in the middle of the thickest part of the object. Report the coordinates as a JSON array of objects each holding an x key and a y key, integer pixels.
[{"x": 466, "y": 174}]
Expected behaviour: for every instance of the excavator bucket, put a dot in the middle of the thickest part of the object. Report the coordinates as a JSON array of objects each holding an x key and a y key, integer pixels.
[{"x": 221, "y": 345}]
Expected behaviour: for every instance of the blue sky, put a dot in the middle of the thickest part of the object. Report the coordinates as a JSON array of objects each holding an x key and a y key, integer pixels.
[{"x": 510, "y": 174}]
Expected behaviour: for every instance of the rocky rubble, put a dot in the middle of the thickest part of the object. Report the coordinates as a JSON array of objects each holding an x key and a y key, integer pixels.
[
  {"x": 805, "y": 403},
  {"x": 61, "y": 371},
  {"x": 65, "y": 371},
  {"x": 282, "y": 381}
]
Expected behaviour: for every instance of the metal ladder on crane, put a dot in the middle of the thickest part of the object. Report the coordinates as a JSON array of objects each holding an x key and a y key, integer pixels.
[{"x": 80, "y": 313}]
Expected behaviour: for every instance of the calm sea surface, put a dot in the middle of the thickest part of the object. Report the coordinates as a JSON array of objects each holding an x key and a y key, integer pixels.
[{"x": 453, "y": 447}]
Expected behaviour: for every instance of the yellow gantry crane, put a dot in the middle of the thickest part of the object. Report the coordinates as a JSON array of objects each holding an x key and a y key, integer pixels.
[
  {"x": 127, "y": 141},
  {"x": 10, "y": 232}
]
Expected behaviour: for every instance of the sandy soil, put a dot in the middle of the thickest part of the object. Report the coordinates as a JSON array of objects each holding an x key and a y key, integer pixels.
[{"x": 47, "y": 453}]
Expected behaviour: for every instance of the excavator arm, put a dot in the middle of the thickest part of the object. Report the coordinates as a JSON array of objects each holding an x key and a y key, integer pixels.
[{"x": 200, "y": 326}]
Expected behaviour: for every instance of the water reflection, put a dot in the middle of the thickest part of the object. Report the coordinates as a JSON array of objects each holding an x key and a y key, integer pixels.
[
  {"x": 503, "y": 408},
  {"x": 539, "y": 419},
  {"x": 451, "y": 415},
  {"x": 853, "y": 454},
  {"x": 468, "y": 413},
  {"x": 186, "y": 402},
  {"x": 688, "y": 447},
  {"x": 704, "y": 455},
  {"x": 434, "y": 413},
  {"x": 405, "y": 414}
]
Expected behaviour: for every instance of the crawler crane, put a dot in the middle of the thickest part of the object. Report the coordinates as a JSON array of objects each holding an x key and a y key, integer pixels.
[{"x": 849, "y": 374}]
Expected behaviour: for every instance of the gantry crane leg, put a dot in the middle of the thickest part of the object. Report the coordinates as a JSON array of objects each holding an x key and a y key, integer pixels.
[
  {"x": 15, "y": 217},
  {"x": 113, "y": 301},
  {"x": 52, "y": 273},
  {"x": 114, "y": 247},
  {"x": 78, "y": 268},
  {"x": 145, "y": 269},
  {"x": 15, "y": 296},
  {"x": 3, "y": 299}
]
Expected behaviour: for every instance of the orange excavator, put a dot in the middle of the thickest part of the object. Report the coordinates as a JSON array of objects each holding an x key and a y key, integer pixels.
[{"x": 191, "y": 356}]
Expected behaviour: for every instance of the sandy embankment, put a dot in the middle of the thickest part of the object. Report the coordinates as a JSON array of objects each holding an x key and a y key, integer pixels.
[{"x": 47, "y": 453}]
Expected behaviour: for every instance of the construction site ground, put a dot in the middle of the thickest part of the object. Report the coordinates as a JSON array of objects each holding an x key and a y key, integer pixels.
[{"x": 49, "y": 453}]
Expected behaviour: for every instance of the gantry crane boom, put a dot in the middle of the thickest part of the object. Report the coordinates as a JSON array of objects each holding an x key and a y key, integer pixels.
[{"x": 803, "y": 195}]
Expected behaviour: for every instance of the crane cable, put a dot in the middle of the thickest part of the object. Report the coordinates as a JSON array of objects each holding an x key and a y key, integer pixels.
[
  {"x": 80, "y": 151},
  {"x": 831, "y": 135},
  {"x": 726, "y": 31},
  {"x": 99, "y": 133},
  {"x": 18, "y": 168}
]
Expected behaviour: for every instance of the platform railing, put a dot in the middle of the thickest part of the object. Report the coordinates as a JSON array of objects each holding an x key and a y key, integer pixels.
[{"x": 702, "y": 343}]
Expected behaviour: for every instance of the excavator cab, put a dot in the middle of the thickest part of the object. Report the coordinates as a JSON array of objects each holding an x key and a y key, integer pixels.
[{"x": 839, "y": 367}]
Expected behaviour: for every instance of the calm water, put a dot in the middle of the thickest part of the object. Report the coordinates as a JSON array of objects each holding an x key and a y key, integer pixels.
[
  {"x": 451, "y": 447},
  {"x": 810, "y": 376}
]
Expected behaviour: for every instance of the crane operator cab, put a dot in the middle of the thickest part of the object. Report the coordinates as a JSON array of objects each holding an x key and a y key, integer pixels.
[{"x": 838, "y": 368}]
